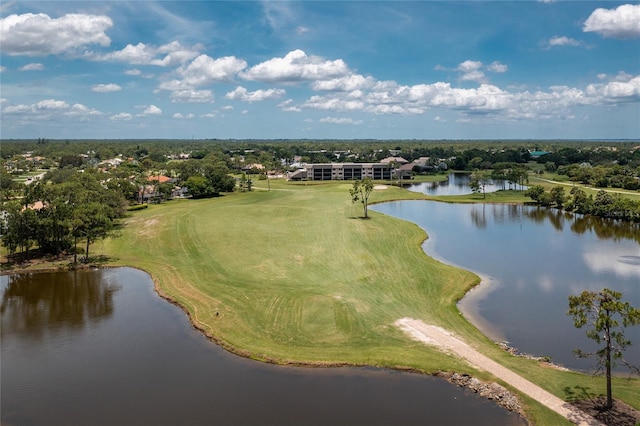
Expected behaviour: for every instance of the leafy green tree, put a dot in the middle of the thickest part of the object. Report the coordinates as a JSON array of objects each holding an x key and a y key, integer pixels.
[
  {"x": 535, "y": 192},
  {"x": 478, "y": 182},
  {"x": 199, "y": 187},
  {"x": 603, "y": 311},
  {"x": 93, "y": 222},
  {"x": 70, "y": 161},
  {"x": 558, "y": 196},
  {"x": 360, "y": 191},
  {"x": 582, "y": 202}
]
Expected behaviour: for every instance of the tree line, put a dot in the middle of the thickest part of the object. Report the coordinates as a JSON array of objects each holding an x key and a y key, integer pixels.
[
  {"x": 605, "y": 204},
  {"x": 57, "y": 217}
]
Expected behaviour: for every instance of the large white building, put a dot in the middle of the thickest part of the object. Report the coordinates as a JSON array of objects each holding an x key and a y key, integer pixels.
[{"x": 342, "y": 171}]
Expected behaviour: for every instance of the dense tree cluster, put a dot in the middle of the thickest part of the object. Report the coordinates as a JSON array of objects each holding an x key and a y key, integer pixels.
[
  {"x": 55, "y": 217},
  {"x": 604, "y": 204}
]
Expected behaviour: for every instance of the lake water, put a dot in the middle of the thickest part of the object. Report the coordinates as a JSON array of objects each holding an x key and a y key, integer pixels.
[
  {"x": 531, "y": 260},
  {"x": 456, "y": 184},
  {"x": 101, "y": 348}
]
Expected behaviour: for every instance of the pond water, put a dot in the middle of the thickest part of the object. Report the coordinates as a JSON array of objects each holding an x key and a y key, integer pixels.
[
  {"x": 531, "y": 259},
  {"x": 101, "y": 348},
  {"x": 456, "y": 184}
]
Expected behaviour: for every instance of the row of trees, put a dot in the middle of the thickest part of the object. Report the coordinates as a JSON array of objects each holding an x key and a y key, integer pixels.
[
  {"x": 56, "y": 217},
  {"x": 461, "y": 155},
  {"x": 600, "y": 176},
  {"x": 604, "y": 204}
]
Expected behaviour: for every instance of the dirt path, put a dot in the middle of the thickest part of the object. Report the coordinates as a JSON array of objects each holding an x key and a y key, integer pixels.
[{"x": 437, "y": 336}]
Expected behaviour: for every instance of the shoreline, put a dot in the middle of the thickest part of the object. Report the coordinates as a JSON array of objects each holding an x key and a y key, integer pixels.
[{"x": 491, "y": 391}]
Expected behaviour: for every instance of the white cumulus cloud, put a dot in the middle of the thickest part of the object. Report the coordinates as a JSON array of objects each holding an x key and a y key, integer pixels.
[
  {"x": 152, "y": 110},
  {"x": 295, "y": 67},
  {"x": 106, "y": 88},
  {"x": 240, "y": 93},
  {"x": 471, "y": 71},
  {"x": 340, "y": 120},
  {"x": 205, "y": 70},
  {"x": 616, "y": 91},
  {"x": 347, "y": 83},
  {"x": 192, "y": 96},
  {"x": 563, "y": 41},
  {"x": 40, "y": 35},
  {"x": 49, "y": 109},
  {"x": 289, "y": 106},
  {"x": 621, "y": 22},
  {"x": 121, "y": 116},
  {"x": 169, "y": 54},
  {"x": 180, "y": 116},
  {"x": 497, "y": 66}
]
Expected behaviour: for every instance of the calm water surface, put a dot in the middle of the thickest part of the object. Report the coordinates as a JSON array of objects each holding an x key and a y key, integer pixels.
[
  {"x": 531, "y": 259},
  {"x": 456, "y": 184},
  {"x": 101, "y": 348}
]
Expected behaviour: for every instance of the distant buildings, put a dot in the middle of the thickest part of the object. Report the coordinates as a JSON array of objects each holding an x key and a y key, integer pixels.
[{"x": 342, "y": 171}]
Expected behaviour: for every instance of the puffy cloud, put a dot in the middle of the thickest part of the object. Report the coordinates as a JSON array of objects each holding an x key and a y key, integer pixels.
[
  {"x": 295, "y": 67},
  {"x": 142, "y": 54},
  {"x": 333, "y": 103},
  {"x": 616, "y": 91},
  {"x": 341, "y": 120},
  {"x": 3, "y": 68},
  {"x": 471, "y": 71},
  {"x": 40, "y": 35},
  {"x": 192, "y": 96},
  {"x": 621, "y": 22},
  {"x": 394, "y": 109},
  {"x": 51, "y": 104},
  {"x": 469, "y": 66},
  {"x": 106, "y": 88},
  {"x": 121, "y": 116},
  {"x": 32, "y": 67},
  {"x": 289, "y": 106},
  {"x": 563, "y": 41},
  {"x": 347, "y": 83},
  {"x": 240, "y": 93},
  {"x": 152, "y": 110},
  {"x": 205, "y": 70},
  {"x": 50, "y": 108},
  {"x": 473, "y": 76},
  {"x": 498, "y": 67},
  {"x": 133, "y": 71},
  {"x": 79, "y": 110},
  {"x": 180, "y": 116}
]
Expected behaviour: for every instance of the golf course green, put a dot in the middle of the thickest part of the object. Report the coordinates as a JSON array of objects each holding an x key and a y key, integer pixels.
[{"x": 295, "y": 275}]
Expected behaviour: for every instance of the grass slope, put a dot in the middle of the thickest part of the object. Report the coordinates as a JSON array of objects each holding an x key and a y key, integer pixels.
[{"x": 294, "y": 275}]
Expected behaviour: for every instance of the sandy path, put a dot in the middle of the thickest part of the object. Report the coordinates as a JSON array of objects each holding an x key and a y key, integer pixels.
[{"x": 437, "y": 336}]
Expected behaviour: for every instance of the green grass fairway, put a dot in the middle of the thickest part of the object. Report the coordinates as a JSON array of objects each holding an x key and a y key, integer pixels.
[{"x": 294, "y": 275}]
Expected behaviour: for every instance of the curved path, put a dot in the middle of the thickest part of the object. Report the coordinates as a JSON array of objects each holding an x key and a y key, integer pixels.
[{"x": 437, "y": 336}]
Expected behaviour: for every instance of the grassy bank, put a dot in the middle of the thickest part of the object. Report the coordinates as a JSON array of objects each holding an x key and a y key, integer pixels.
[{"x": 294, "y": 275}]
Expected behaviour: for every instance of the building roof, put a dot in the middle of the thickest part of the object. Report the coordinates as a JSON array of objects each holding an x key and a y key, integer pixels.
[
  {"x": 160, "y": 179},
  {"x": 392, "y": 159}
]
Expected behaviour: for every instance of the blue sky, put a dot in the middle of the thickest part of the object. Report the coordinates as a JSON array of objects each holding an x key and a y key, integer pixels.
[{"x": 320, "y": 69}]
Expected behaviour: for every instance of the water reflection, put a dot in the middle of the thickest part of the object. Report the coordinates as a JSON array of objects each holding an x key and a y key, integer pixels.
[
  {"x": 604, "y": 229},
  {"x": 123, "y": 356},
  {"x": 531, "y": 259},
  {"x": 69, "y": 301},
  {"x": 456, "y": 184}
]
